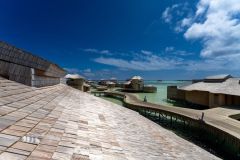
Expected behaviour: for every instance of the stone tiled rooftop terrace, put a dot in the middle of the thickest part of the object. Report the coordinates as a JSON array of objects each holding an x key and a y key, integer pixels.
[{"x": 59, "y": 122}]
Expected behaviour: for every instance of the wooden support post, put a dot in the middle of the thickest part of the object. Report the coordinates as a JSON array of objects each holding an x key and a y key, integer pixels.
[{"x": 159, "y": 117}]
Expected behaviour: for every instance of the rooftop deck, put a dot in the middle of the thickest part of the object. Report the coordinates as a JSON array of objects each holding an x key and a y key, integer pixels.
[{"x": 59, "y": 122}]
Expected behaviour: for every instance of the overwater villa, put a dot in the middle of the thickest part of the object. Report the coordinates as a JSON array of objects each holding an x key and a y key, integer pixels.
[
  {"x": 114, "y": 80},
  {"x": 212, "y": 91},
  {"x": 77, "y": 81},
  {"x": 110, "y": 84},
  {"x": 105, "y": 84},
  {"x": 102, "y": 82},
  {"x": 136, "y": 84}
]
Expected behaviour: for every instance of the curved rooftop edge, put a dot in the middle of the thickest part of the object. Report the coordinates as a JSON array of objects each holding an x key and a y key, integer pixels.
[{"x": 60, "y": 122}]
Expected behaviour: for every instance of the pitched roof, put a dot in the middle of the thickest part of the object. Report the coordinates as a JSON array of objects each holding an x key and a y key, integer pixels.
[
  {"x": 230, "y": 86},
  {"x": 59, "y": 122},
  {"x": 18, "y": 56}
]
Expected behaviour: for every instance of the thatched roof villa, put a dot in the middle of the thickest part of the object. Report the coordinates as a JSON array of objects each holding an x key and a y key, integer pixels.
[
  {"x": 77, "y": 81},
  {"x": 110, "y": 84},
  {"x": 136, "y": 83},
  {"x": 213, "y": 91}
]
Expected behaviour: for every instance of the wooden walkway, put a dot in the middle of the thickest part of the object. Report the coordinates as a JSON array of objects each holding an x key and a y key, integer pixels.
[{"x": 217, "y": 118}]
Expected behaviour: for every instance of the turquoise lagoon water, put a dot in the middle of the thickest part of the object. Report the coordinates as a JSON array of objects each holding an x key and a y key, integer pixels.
[{"x": 160, "y": 97}]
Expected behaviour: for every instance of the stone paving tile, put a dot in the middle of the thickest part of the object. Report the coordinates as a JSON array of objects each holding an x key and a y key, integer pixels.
[
  {"x": 80, "y": 157},
  {"x": 41, "y": 154},
  {"x": 18, "y": 151},
  {"x": 24, "y": 146},
  {"x": 2, "y": 148},
  {"x": 7, "y": 140},
  {"x": 5, "y": 110},
  {"x": 61, "y": 123},
  {"x": 61, "y": 156},
  {"x": 14, "y": 132},
  {"x": 4, "y": 123},
  {"x": 64, "y": 149},
  {"x": 49, "y": 142},
  {"x": 11, "y": 156},
  {"x": 46, "y": 148},
  {"x": 20, "y": 128}
]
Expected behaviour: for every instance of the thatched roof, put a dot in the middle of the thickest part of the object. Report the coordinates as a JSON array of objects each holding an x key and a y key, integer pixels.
[
  {"x": 230, "y": 86},
  {"x": 109, "y": 82},
  {"x": 74, "y": 76},
  {"x": 137, "y": 77}
]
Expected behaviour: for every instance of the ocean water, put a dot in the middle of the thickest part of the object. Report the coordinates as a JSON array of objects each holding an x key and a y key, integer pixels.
[{"x": 160, "y": 97}]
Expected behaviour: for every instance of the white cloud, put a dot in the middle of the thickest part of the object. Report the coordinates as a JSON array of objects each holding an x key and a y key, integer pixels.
[
  {"x": 217, "y": 24},
  {"x": 93, "y": 50},
  {"x": 169, "y": 49},
  {"x": 171, "y": 14},
  {"x": 105, "y": 52},
  {"x": 150, "y": 61},
  {"x": 167, "y": 14},
  {"x": 146, "y": 61},
  {"x": 221, "y": 63},
  {"x": 87, "y": 70},
  {"x": 146, "y": 52},
  {"x": 186, "y": 22}
]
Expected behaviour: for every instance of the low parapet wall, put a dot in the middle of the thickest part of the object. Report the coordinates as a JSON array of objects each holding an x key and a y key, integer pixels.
[{"x": 23, "y": 67}]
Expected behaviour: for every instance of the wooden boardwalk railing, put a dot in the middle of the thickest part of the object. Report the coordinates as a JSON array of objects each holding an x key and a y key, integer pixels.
[{"x": 221, "y": 129}]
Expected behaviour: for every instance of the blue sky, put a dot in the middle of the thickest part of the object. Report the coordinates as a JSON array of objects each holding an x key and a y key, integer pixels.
[{"x": 156, "y": 39}]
